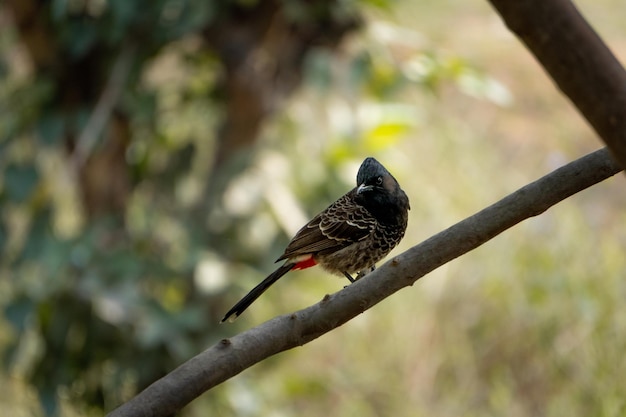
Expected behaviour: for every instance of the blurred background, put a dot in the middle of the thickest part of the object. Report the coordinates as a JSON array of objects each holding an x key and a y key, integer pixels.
[{"x": 156, "y": 156}]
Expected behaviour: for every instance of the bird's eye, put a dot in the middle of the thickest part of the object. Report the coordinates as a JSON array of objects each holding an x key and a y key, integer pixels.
[{"x": 379, "y": 181}]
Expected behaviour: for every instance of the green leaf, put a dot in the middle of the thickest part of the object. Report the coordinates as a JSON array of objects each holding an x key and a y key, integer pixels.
[
  {"x": 50, "y": 128},
  {"x": 20, "y": 181},
  {"x": 38, "y": 236},
  {"x": 18, "y": 312},
  {"x": 81, "y": 37},
  {"x": 318, "y": 70},
  {"x": 48, "y": 400},
  {"x": 59, "y": 9}
]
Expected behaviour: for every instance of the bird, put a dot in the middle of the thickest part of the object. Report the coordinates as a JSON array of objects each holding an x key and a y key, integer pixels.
[{"x": 349, "y": 236}]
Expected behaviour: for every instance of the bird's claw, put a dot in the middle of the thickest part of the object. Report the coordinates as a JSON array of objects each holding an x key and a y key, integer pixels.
[{"x": 364, "y": 272}]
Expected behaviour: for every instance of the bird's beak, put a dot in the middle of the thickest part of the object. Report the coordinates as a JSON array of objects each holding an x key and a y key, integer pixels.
[{"x": 363, "y": 188}]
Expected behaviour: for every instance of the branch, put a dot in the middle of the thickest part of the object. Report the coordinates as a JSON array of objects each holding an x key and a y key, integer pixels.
[
  {"x": 104, "y": 108},
  {"x": 578, "y": 61},
  {"x": 231, "y": 356}
]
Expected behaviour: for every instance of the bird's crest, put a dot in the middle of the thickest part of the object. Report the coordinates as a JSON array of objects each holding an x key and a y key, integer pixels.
[{"x": 370, "y": 168}]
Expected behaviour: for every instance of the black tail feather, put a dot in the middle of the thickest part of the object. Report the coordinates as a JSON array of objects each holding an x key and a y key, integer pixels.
[{"x": 256, "y": 292}]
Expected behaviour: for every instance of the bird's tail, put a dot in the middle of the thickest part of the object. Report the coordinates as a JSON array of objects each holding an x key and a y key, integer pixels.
[{"x": 256, "y": 292}]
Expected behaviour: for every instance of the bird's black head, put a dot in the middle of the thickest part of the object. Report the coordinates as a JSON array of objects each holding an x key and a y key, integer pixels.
[
  {"x": 379, "y": 192},
  {"x": 369, "y": 171}
]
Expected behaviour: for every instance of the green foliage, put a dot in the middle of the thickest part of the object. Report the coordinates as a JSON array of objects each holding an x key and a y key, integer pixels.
[
  {"x": 20, "y": 182},
  {"x": 95, "y": 310}
]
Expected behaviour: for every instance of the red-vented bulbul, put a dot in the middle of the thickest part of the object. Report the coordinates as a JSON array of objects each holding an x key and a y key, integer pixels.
[{"x": 350, "y": 236}]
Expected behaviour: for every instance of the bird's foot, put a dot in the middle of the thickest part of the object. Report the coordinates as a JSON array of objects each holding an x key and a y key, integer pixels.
[
  {"x": 364, "y": 272},
  {"x": 359, "y": 274}
]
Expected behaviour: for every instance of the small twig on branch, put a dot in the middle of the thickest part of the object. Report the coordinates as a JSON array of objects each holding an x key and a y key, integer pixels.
[
  {"x": 231, "y": 356},
  {"x": 578, "y": 61},
  {"x": 104, "y": 108}
]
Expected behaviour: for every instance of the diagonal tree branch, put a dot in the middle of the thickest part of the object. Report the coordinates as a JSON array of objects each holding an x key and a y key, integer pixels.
[
  {"x": 231, "y": 356},
  {"x": 577, "y": 60}
]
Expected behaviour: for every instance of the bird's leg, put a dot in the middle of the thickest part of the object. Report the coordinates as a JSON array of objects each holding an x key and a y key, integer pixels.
[
  {"x": 348, "y": 276},
  {"x": 364, "y": 272}
]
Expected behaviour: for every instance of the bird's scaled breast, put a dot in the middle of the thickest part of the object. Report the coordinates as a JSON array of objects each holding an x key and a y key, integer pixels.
[{"x": 363, "y": 254}]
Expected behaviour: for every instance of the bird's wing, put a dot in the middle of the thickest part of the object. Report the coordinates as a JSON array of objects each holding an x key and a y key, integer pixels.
[{"x": 340, "y": 225}]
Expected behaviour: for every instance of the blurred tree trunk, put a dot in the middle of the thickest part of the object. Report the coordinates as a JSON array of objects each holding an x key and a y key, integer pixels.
[{"x": 263, "y": 49}]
